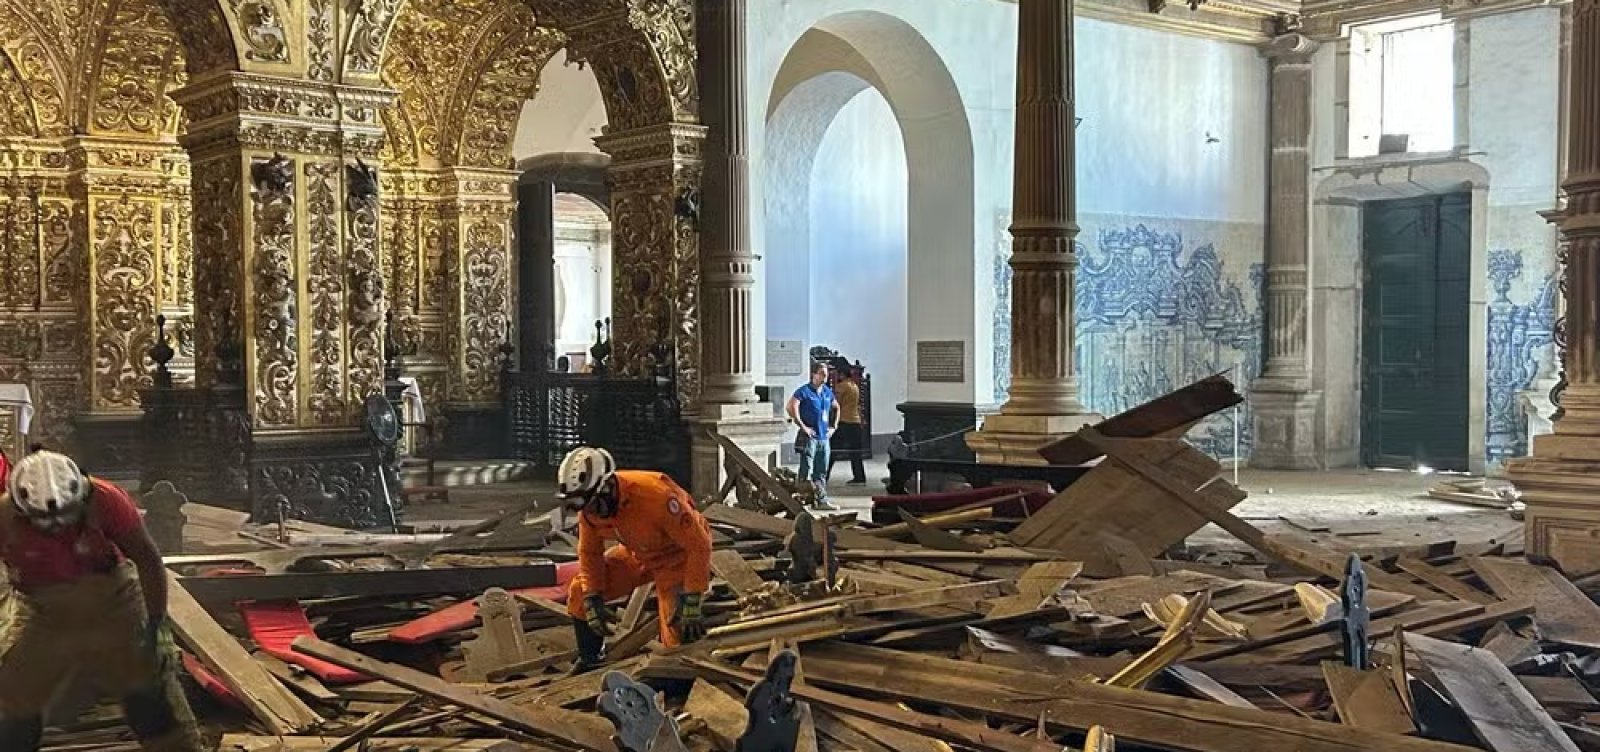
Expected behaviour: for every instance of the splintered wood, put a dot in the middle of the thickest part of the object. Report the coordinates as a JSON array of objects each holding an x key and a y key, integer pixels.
[{"x": 1083, "y": 626}]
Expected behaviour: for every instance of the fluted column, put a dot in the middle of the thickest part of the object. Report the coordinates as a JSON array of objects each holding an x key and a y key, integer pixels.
[
  {"x": 727, "y": 265},
  {"x": 1284, "y": 405},
  {"x": 1043, "y": 402},
  {"x": 727, "y": 279},
  {"x": 1559, "y": 482}
]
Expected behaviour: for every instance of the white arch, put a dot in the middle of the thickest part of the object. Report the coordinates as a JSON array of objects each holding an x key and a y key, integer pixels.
[{"x": 827, "y": 66}]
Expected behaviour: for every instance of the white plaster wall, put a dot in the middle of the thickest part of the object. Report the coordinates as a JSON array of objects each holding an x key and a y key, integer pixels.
[
  {"x": 857, "y": 283},
  {"x": 565, "y": 116},
  {"x": 583, "y": 283},
  {"x": 950, "y": 253},
  {"x": 1148, "y": 100}
]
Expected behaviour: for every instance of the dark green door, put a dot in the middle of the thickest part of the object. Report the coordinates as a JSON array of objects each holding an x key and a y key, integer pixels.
[{"x": 1415, "y": 332}]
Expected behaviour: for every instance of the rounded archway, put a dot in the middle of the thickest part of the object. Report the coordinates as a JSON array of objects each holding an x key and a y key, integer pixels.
[{"x": 878, "y": 226}]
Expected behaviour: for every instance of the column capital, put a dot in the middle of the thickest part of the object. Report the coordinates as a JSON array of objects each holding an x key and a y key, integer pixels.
[
  {"x": 249, "y": 110},
  {"x": 1293, "y": 47}
]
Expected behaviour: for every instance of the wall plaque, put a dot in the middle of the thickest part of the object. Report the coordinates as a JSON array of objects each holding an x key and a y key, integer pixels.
[
  {"x": 942, "y": 361},
  {"x": 786, "y": 357}
]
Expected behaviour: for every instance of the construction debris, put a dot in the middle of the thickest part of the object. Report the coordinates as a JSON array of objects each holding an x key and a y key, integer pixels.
[{"x": 1081, "y": 626}]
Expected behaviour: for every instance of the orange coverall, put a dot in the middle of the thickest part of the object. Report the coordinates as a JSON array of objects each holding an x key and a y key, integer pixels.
[{"x": 662, "y": 538}]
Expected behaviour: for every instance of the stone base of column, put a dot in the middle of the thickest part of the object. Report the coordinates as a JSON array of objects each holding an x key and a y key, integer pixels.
[
  {"x": 110, "y": 445},
  {"x": 1560, "y": 484},
  {"x": 473, "y": 432},
  {"x": 330, "y": 478},
  {"x": 1285, "y": 427},
  {"x": 1017, "y": 439},
  {"x": 750, "y": 426}
]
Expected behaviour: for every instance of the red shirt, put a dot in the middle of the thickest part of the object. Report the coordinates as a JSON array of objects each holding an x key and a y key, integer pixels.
[{"x": 39, "y": 559}]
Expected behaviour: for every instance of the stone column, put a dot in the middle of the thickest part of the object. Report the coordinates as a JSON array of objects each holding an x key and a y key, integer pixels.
[
  {"x": 1044, "y": 389},
  {"x": 289, "y": 292},
  {"x": 1560, "y": 482},
  {"x": 536, "y": 267},
  {"x": 1284, "y": 405},
  {"x": 728, "y": 398}
]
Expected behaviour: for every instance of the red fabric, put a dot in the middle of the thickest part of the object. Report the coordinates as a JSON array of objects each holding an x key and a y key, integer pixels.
[
  {"x": 40, "y": 559},
  {"x": 465, "y": 614},
  {"x": 925, "y": 504},
  {"x": 5, "y": 469},
  {"x": 274, "y": 625},
  {"x": 209, "y": 681}
]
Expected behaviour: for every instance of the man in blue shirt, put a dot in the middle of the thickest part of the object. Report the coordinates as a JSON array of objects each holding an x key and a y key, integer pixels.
[{"x": 812, "y": 407}]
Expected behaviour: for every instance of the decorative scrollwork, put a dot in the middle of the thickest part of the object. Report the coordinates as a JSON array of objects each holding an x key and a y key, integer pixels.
[
  {"x": 325, "y": 291},
  {"x": 369, "y": 30},
  {"x": 124, "y": 264},
  {"x": 366, "y": 287},
  {"x": 217, "y": 243},
  {"x": 486, "y": 306},
  {"x": 263, "y": 31},
  {"x": 276, "y": 336}
]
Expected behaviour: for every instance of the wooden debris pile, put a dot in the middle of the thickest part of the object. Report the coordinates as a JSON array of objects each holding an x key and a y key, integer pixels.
[{"x": 1076, "y": 627}]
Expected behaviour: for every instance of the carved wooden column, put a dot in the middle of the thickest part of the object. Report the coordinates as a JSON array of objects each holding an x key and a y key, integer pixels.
[
  {"x": 288, "y": 285},
  {"x": 729, "y": 402},
  {"x": 1285, "y": 406},
  {"x": 1044, "y": 389},
  {"x": 1561, "y": 481},
  {"x": 122, "y": 187},
  {"x": 475, "y": 242},
  {"x": 655, "y": 241}
]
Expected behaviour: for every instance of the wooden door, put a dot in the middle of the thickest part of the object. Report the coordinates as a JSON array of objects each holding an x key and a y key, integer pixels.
[{"x": 1415, "y": 333}]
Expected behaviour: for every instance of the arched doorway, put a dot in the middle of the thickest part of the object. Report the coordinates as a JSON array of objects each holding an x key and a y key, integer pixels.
[{"x": 869, "y": 199}]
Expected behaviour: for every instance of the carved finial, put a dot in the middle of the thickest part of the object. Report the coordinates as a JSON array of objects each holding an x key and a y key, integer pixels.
[
  {"x": 162, "y": 354},
  {"x": 362, "y": 182}
]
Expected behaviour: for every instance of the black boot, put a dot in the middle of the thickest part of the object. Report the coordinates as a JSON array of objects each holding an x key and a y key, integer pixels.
[
  {"x": 591, "y": 647},
  {"x": 21, "y": 734}
]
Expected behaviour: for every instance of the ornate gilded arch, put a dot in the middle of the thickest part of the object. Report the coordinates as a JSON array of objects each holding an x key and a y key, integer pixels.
[
  {"x": 642, "y": 51},
  {"x": 17, "y": 114},
  {"x": 135, "y": 60},
  {"x": 33, "y": 43}
]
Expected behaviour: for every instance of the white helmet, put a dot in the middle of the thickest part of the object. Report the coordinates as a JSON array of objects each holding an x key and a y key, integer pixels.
[
  {"x": 584, "y": 471},
  {"x": 48, "y": 490}
]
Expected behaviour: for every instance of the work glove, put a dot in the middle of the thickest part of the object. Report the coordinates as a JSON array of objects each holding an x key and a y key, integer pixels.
[
  {"x": 600, "y": 616},
  {"x": 156, "y": 640},
  {"x": 690, "y": 620}
]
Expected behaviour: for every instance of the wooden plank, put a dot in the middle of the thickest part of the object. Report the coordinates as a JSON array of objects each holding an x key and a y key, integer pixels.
[
  {"x": 1367, "y": 699},
  {"x": 1501, "y": 712},
  {"x": 583, "y": 730},
  {"x": 778, "y": 527},
  {"x": 723, "y": 714},
  {"x": 1137, "y": 717},
  {"x": 1037, "y": 584},
  {"x": 1443, "y": 582},
  {"x": 735, "y": 571},
  {"x": 1205, "y": 687},
  {"x": 944, "y": 519},
  {"x": 1328, "y": 643},
  {"x": 270, "y": 702},
  {"x": 1564, "y": 614},
  {"x": 249, "y": 743},
  {"x": 1169, "y": 414},
  {"x": 966, "y": 733},
  {"x": 759, "y": 476}
]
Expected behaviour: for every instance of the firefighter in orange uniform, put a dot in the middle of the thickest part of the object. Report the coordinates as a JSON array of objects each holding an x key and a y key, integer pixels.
[
  {"x": 88, "y": 596},
  {"x": 661, "y": 538}
]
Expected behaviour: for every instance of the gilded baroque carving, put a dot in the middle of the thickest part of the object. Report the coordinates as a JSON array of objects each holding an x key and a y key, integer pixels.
[
  {"x": 669, "y": 27},
  {"x": 131, "y": 70},
  {"x": 16, "y": 107},
  {"x": 263, "y": 31},
  {"x": 217, "y": 274},
  {"x": 34, "y": 64},
  {"x": 177, "y": 253},
  {"x": 511, "y": 77},
  {"x": 63, "y": 269},
  {"x": 325, "y": 291},
  {"x": 486, "y": 305},
  {"x": 124, "y": 268},
  {"x": 207, "y": 38},
  {"x": 276, "y": 338},
  {"x": 319, "y": 40},
  {"x": 20, "y": 216},
  {"x": 370, "y": 24},
  {"x": 366, "y": 283}
]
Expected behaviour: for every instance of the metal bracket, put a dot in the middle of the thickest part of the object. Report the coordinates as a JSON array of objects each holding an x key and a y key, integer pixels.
[
  {"x": 1353, "y": 597},
  {"x": 774, "y": 724},
  {"x": 641, "y": 724}
]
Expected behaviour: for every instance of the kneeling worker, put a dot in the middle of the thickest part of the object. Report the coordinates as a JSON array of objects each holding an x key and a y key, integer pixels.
[
  {"x": 88, "y": 597},
  {"x": 662, "y": 539}
]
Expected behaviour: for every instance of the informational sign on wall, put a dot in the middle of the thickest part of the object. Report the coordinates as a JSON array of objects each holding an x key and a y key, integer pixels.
[
  {"x": 942, "y": 361},
  {"x": 786, "y": 357}
]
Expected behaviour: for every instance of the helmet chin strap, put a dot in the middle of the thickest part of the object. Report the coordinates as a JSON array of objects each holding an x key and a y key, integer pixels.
[{"x": 603, "y": 502}]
